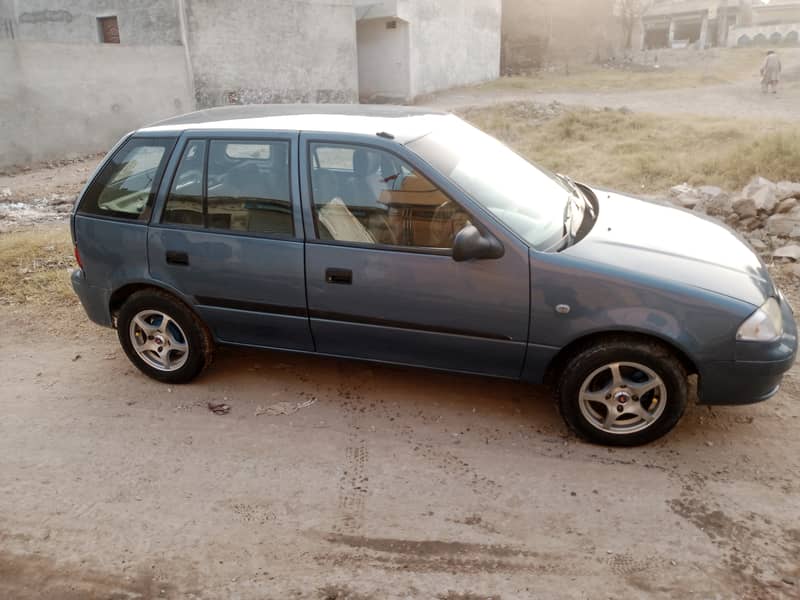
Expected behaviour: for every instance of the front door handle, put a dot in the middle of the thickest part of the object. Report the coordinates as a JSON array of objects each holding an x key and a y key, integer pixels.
[
  {"x": 341, "y": 276},
  {"x": 177, "y": 258}
]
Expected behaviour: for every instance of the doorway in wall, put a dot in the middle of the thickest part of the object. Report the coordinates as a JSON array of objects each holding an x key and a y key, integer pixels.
[{"x": 383, "y": 61}]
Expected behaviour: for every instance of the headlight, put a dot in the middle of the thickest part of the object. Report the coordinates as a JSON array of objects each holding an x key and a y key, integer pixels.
[{"x": 764, "y": 325}]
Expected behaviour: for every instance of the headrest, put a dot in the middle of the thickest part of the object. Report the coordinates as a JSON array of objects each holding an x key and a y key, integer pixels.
[
  {"x": 279, "y": 153},
  {"x": 365, "y": 163},
  {"x": 416, "y": 183}
]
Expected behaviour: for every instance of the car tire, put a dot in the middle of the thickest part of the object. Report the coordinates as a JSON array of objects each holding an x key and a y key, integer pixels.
[
  {"x": 623, "y": 392},
  {"x": 163, "y": 337}
]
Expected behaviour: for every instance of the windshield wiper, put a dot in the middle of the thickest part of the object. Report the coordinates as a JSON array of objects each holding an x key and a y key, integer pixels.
[
  {"x": 579, "y": 196},
  {"x": 576, "y": 190},
  {"x": 568, "y": 217}
]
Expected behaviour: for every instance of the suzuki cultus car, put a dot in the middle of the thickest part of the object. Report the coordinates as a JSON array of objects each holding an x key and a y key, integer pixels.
[{"x": 407, "y": 236}]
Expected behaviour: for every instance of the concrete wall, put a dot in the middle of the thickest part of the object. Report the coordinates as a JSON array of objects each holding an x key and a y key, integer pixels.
[
  {"x": 379, "y": 9},
  {"x": 383, "y": 61},
  {"x": 61, "y": 100},
  {"x": 140, "y": 21},
  {"x": 262, "y": 51},
  {"x": 454, "y": 43}
]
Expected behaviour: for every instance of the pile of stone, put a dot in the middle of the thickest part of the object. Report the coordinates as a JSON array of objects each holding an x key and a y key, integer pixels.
[
  {"x": 519, "y": 112},
  {"x": 766, "y": 213}
]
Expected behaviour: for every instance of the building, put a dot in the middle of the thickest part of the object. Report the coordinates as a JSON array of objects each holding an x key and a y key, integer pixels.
[
  {"x": 79, "y": 73},
  {"x": 541, "y": 32},
  {"x": 409, "y": 48},
  {"x": 704, "y": 23}
]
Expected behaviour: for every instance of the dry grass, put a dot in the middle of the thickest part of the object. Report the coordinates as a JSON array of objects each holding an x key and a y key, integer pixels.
[
  {"x": 647, "y": 153},
  {"x": 727, "y": 66},
  {"x": 34, "y": 266}
]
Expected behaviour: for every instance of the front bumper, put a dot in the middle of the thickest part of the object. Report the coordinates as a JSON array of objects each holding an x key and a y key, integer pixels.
[
  {"x": 95, "y": 300},
  {"x": 757, "y": 372}
]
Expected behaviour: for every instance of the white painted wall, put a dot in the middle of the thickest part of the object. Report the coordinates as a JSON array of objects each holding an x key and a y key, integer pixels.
[
  {"x": 263, "y": 51},
  {"x": 454, "y": 43},
  {"x": 383, "y": 61},
  {"x": 61, "y": 100}
]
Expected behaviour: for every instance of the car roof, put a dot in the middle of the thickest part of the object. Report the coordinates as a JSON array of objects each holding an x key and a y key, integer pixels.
[{"x": 404, "y": 123}]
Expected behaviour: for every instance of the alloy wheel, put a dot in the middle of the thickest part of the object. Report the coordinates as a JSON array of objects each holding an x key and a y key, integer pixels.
[
  {"x": 159, "y": 340},
  {"x": 622, "y": 398}
]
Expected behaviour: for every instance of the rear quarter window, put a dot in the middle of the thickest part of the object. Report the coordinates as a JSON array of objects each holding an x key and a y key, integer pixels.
[{"x": 126, "y": 185}]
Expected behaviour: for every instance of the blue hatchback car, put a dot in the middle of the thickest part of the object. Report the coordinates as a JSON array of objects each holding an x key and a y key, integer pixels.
[{"x": 407, "y": 236}]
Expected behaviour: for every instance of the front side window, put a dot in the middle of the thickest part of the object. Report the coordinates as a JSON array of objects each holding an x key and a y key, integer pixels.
[
  {"x": 125, "y": 186},
  {"x": 369, "y": 196},
  {"x": 240, "y": 186}
]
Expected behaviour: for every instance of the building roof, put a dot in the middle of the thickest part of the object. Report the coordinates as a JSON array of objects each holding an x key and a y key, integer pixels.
[
  {"x": 403, "y": 122},
  {"x": 676, "y": 7}
]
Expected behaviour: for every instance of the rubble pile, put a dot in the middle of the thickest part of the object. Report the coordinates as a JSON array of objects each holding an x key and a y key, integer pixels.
[
  {"x": 766, "y": 213},
  {"x": 16, "y": 212}
]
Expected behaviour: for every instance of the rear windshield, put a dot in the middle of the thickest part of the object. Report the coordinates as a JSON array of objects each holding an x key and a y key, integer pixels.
[{"x": 126, "y": 185}]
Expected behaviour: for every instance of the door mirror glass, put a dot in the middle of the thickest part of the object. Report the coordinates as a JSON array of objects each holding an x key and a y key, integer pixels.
[{"x": 471, "y": 244}]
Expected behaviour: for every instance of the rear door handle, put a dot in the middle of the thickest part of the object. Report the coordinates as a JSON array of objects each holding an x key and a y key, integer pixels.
[
  {"x": 177, "y": 258},
  {"x": 340, "y": 276}
]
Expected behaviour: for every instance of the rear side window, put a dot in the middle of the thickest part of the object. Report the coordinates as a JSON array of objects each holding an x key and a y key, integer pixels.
[
  {"x": 240, "y": 186},
  {"x": 126, "y": 185}
]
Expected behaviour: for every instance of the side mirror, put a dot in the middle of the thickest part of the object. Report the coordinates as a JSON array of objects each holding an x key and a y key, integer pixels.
[{"x": 471, "y": 244}]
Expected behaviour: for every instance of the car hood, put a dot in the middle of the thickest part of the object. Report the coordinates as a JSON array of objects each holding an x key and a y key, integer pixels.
[{"x": 671, "y": 243}]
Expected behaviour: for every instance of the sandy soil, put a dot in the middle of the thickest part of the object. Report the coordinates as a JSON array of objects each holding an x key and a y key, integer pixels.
[{"x": 394, "y": 483}]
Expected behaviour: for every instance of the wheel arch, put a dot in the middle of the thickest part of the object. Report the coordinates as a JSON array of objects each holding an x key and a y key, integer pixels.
[
  {"x": 206, "y": 342},
  {"x": 557, "y": 364},
  {"x": 120, "y": 295}
]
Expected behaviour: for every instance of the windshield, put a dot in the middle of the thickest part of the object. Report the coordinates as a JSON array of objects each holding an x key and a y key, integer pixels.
[{"x": 528, "y": 199}]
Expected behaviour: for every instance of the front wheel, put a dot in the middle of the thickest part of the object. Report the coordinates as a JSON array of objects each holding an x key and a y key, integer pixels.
[
  {"x": 623, "y": 392},
  {"x": 163, "y": 338}
]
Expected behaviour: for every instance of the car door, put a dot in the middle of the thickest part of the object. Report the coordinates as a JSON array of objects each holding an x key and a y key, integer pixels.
[
  {"x": 382, "y": 283},
  {"x": 228, "y": 237}
]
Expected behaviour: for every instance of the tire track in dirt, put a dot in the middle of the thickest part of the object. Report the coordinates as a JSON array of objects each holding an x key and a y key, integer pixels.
[
  {"x": 353, "y": 480},
  {"x": 432, "y": 556},
  {"x": 756, "y": 552}
]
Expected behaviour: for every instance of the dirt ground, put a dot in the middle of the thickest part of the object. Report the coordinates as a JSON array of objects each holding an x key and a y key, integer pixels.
[
  {"x": 742, "y": 100},
  {"x": 392, "y": 483}
]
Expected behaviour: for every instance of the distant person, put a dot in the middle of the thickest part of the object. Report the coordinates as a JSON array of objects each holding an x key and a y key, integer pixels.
[{"x": 770, "y": 73}]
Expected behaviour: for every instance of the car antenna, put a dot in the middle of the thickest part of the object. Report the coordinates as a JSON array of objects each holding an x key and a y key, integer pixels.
[{"x": 386, "y": 135}]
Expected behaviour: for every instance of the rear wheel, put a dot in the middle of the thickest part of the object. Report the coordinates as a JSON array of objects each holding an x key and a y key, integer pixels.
[
  {"x": 163, "y": 338},
  {"x": 623, "y": 392}
]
